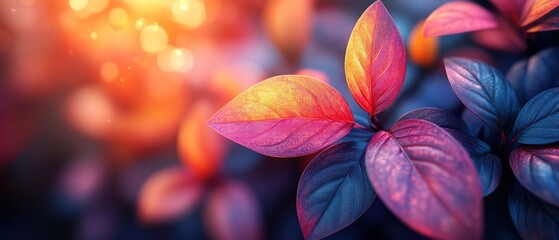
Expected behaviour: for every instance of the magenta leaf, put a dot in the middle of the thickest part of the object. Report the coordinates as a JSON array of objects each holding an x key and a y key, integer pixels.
[
  {"x": 534, "y": 75},
  {"x": 538, "y": 121},
  {"x": 484, "y": 91},
  {"x": 487, "y": 164},
  {"x": 458, "y": 17},
  {"x": 538, "y": 170},
  {"x": 511, "y": 8},
  {"x": 232, "y": 212},
  {"x": 533, "y": 218},
  {"x": 334, "y": 190},
  {"x": 375, "y": 62},
  {"x": 427, "y": 179},
  {"x": 506, "y": 37},
  {"x": 285, "y": 116}
]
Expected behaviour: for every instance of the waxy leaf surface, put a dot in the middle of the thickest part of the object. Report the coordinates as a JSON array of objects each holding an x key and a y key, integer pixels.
[
  {"x": 487, "y": 164},
  {"x": 533, "y": 218},
  {"x": 458, "y": 17},
  {"x": 538, "y": 170},
  {"x": 537, "y": 9},
  {"x": 538, "y": 121},
  {"x": 484, "y": 91},
  {"x": 375, "y": 62},
  {"x": 285, "y": 116},
  {"x": 232, "y": 212},
  {"x": 334, "y": 190},
  {"x": 427, "y": 180},
  {"x": 535, "y": 75}
]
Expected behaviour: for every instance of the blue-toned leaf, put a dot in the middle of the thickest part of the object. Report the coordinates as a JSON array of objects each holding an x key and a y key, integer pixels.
[
  {"x": 427, "y": 179},
  {"x": 538, "y": 170},
  {"x": 533, "y": 218},
  {"x": 334, "y": 190},
  {"x": 437, "y": 116},
  {"x": 535, "y": 75},
  {"x": 485, "y": 91},
  {"x": 489, "y": 169},
  {"x": 538, "y": 121}
]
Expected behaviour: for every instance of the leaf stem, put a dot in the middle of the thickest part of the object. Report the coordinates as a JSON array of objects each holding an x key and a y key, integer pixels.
[{"x": 375, "y": 123}]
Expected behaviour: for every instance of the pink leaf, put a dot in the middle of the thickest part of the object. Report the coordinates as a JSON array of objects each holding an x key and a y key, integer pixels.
[
  {"x": 427, "y": 180},
  {"x": 458, "y": 17},
  {"x": 232, "y": 213},
  {"x": 285, "y": 116},
  {"x": 167, "y": 195},
  {"x": 510, "y": 8},
  {"x": 375, "y": 61},
  {"x": 537, "y": 9},
  {"x": 506, "y": 37}
]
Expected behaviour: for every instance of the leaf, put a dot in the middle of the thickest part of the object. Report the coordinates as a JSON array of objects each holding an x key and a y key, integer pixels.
[
  {"x": 536, "y": 74},
  {"x": 538, "y": 170},
  {"x": 232, "y": 212},
  {"x": 334, "y": 190},
  {"x": 285, "y": 116},
  {"x": 533, "y": 218},
  {"x": 538, "y": 121},
  {"x": 549, "y": 22},
  {"x": 511, "y": 8},
  {"x": 437, "y": 116},
  {"x": 290, "y": 34},
  {"x": 427, "y": 180},
  {"x": 167, "y": 195},
  {"x": 375, "y": 61},
  {"x": 484, "y": 91},
  {"x": 458, "y": 17},
  {"x": 505, "y": 37},
  {"x": 536, "y": 10},
  {"x": 200, "y": 148},
  {"x": 422, "y": 50},
  {"x": 487, "y": 164}
]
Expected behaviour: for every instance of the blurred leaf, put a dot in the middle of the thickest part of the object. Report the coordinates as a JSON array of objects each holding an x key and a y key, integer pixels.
[
  {"x": 537, "y": 122},
  {"x": 458, "y": 17},
  {"x": 535, "y": 75},
  {"x": 427, "y": 180},
  {"x": 167, "y": 195},
  {"x": 536, "y": 9},
  {"x": 289, "y": 23},
  {"x": 505, "y": 37},
  {"x": 484, "y": 91},
  {"x": 510, "y": 8},
  {"x": 533, "y": 218},
  {"x": 549, "y": 22},
  {"x": 375, "y": 81},
  {"x": 422, "y": 50},
  {"x": 538, "y": 170},
  {"x": 233, "y": 213},
  {"x": 487, "y": 164},
  {"x": 201, "y": 149},
  {"x": 334, "y": 190},
  {"x": 285, "y": 116}
]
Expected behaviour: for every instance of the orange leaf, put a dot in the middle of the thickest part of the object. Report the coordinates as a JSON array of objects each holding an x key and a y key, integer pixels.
[
  {"x": 537, "y": 10},
  {"x": 423, "y": 51}
]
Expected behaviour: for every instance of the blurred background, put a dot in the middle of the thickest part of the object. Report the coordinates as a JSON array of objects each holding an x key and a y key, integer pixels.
[{"x": 104, "y": 103}]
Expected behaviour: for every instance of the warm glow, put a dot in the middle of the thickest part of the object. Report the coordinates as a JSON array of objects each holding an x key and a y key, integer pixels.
[
  {"x": 140, "y": 23},
  {"x": 109, "y": 71},
  {"x": 78, "y": 5},
  {"x": 190, "y": 13},
  {"x": 153, "y": 38},
  {"x": 174, "y": 59},
  {"x": 118, "y": 18}
]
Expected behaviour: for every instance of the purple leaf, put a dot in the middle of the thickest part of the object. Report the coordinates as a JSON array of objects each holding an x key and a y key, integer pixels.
[
  {"x": 458, "y": 17},
  {"x": 233, "y": 213},
  {"x": 538, "y": 170},
  {"x": 484, "y": 91},
  {"x": 334, "y": 190},
  {"x": 535, "y": 75},
  {"x": 427, "y": 180},
  {"x": 285, "y": 116},
  {"x": 533, "y": 218},
  {"x": 538, "y": 121},
  {"x": 375, "y": 62},
  {"x": 437, "y": 116}
]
